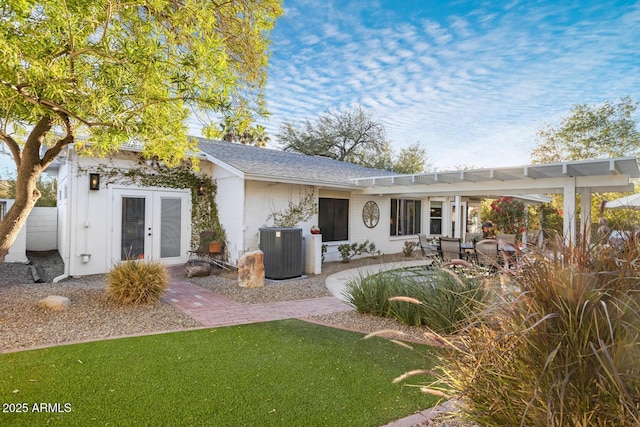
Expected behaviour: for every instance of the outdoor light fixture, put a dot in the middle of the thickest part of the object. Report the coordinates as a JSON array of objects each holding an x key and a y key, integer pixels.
[
  {"x": 201, "y": 189},
  {"x": 94, "y": 181}
]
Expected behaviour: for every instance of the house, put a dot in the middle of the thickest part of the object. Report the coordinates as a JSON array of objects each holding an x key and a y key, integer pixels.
[{"x": 105, "y": 214}]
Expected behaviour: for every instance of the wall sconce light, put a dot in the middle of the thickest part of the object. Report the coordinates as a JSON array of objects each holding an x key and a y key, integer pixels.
[
  {"x": 94, "y": 181},
  {"x": 201, "y": 189}
]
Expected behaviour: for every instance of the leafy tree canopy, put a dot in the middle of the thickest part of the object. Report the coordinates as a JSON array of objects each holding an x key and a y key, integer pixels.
[
  {"x": 353, "y": 136},
  {"x": 605, "y": 130},
  {"x": 412, "y": 159},
  {"x": 103, "y": 74},
  {"x": 350, "y": 135}
]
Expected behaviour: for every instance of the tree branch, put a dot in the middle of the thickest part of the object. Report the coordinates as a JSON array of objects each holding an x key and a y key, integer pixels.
[
  {"x": 14, "y": 147},
  {"x": 53, "y": 152}
]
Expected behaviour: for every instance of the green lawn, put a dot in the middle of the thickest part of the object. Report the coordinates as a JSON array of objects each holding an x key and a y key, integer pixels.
[{"x": 286, "y": 373}]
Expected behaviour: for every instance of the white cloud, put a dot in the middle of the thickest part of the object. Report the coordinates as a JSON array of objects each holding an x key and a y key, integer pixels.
[{"x": 472, "y": 87}]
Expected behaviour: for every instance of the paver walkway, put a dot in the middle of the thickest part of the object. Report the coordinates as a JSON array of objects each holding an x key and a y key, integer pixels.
[{"x": 212, "y": 309}]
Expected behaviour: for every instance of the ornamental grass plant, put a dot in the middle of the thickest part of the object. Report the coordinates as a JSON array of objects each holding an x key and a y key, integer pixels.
[
  {"x": 136, "y": 282},
  {"x": 561, "y": 349},
  {"x": 442, "y": 301}
]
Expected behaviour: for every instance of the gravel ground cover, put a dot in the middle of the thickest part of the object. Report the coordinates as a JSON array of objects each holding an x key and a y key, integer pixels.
[{"x": 92, "y": 316}]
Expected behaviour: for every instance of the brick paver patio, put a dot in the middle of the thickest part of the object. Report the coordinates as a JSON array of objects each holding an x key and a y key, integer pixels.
[{"x": 212, "y": 309}]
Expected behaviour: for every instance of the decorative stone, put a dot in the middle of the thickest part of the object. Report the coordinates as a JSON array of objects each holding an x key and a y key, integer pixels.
[
  {"x": 55, "y": 302},
  {"x": 197, "y": 269},
  {"x": 251, "y": 270}
]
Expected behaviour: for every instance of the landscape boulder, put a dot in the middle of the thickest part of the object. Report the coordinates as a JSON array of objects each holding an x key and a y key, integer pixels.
[
  {"x": 197, "y": 269},
  {"x": 251, "y": 270},
  {"x": 54, "y": 302}
]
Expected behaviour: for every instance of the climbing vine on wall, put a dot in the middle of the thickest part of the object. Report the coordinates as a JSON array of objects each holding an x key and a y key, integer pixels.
[{"x": 204, "y": 211}]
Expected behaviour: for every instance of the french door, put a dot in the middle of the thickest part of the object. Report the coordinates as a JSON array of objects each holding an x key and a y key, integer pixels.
[{"x": 151, "y": 225}]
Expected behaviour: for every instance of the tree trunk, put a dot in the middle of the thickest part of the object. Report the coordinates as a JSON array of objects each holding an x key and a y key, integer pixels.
[
  {"x": 26, "y": 197},
  {"x": 30, "y": 167}
]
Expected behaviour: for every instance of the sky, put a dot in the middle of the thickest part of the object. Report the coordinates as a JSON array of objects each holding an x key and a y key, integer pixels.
[{"x": 471, "y": 81}]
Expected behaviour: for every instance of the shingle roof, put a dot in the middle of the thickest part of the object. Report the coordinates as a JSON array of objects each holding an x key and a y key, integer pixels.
[{"x": 284, "y": 166}]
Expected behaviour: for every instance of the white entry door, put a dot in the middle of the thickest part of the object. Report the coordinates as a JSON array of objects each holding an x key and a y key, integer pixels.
[{"x": 151, "y": 225}]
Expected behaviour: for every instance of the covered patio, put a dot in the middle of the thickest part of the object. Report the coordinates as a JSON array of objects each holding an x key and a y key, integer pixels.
[{"x": 570, "y": 178}]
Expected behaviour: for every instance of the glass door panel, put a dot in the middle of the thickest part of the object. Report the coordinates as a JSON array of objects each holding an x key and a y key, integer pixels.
[
  {"x": 170, "y": 227},
  {"x": 133, "y": 228}
]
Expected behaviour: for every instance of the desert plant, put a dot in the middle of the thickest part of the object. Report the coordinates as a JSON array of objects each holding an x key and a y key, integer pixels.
[
  {"x": 409, "y": 247},
  {"x": 442, "y": 301},
  {"x": 137, "y": 282},
  {"x": 563, "y": 350},
  {"x": 349, "y": 250}
]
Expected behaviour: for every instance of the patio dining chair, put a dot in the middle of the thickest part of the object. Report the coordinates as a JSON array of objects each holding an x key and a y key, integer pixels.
[
  {"x": 487, "y": 254},
  {"x": 450, "y": 249},
  {"x": 428, "y": 251}
]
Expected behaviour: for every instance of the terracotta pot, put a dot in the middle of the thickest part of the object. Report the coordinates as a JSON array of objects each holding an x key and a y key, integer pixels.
[{"x": 215, "y": 247}]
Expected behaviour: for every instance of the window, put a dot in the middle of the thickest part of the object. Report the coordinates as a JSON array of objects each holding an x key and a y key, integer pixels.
[
  {"x": 405, "y": 217},
  {"x": 333, "y": 219},
  {"x": 435, "y": 223}
]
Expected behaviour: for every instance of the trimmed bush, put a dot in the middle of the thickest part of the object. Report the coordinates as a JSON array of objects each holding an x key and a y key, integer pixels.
[{"x": 137, "y": 282}]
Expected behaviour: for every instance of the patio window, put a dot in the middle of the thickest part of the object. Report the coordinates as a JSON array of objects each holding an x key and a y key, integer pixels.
[
  {"x": 333, "y": 219},
  {"x": 435, "y": 221},
  {"x": 405, "y": 217}
]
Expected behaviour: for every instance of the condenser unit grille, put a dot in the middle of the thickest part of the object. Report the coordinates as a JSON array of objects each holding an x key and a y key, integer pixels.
[{"x": 282, "y": 248}]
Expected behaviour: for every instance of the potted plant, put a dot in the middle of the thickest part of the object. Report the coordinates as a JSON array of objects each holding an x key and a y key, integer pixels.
[
  {"x": 215, "y": 247},
  {"x": 211, "y": 242}
]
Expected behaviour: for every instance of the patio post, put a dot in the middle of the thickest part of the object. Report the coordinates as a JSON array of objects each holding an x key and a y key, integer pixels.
[
  {"x": 569, "y": 223},
  {"x": 585, "y": 213}
]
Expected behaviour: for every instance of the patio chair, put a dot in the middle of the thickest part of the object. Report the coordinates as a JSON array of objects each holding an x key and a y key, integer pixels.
[
  {"x": 473, "y": 237},
  {"x": 428, "y": 252},
  {"x": 510, "y": 253},
  {"x": 509, "y": 238},
  {"x": 487, "y": 254},
  {"x": 450, "y": 249}
]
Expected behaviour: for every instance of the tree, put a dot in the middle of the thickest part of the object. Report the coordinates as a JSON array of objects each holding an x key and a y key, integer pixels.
[
  {"x": 103, "y": 74},
  {"x": 412, "y": 159},
  {"x": 350, "y": 135},
  {"x": 47, "y": 187},
  {"x": 591, "y": 132},
  {"x": 252, "y": 135}
]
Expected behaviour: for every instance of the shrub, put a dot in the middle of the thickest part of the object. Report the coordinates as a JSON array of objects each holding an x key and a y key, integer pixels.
[
  {"x": 508, "y": 215},
  {"x": 562, "y": 350},
  {"x": 409, "y": 247},
  {"x": 348, "y": 251},
  {"x": 445, "y": 300},
  {"x": 137, "y": 282}
]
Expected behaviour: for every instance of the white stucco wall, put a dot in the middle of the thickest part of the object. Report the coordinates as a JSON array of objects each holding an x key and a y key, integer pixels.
[
  {"x": 359, "y": 232},
  {"x": 265, "y": 198},
  {"x": 230, "y": 202},
  {"x": 18, "y": 250},
  {"x": 88, "y": 219},
  {"x": 42, "y": 225}
]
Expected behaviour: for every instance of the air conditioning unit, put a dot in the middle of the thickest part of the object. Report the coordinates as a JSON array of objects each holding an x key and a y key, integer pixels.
[{"x": 282, "y": 248}]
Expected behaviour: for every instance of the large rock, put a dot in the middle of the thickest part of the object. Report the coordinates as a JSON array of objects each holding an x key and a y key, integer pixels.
[
  {"x": 54, "y": 302},
  {"x": 197, "y": 269},
  {"x": 251, "y": 270}
]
